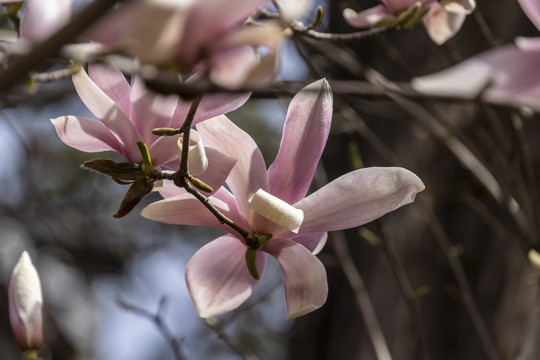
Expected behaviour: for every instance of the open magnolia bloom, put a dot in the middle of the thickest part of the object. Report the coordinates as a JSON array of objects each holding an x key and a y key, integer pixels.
[
  {"x": 271, "y": 205},
  {"x": 442, "y": 20},
  {"x": 129, "y": 113},
  {"x": 42, "y": 18},
  {"x": 507, "y": 75},
  {"x": 200, "y": 35}
]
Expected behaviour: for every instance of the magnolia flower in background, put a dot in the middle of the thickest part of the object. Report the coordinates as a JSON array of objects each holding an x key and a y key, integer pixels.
[
  {"x": 442, "y": 20},
  {"x": 202, "y": 35},
  {"x": 25, "y": 302},
  {"x": 42, "y": 18},
  {"x": 272, "y": 206},
  {"x": 129, "y": 113},
  {"x": 507, "y": 75}
]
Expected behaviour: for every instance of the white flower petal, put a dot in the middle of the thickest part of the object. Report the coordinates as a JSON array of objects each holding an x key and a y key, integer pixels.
[{"x": 276, "y": 210}]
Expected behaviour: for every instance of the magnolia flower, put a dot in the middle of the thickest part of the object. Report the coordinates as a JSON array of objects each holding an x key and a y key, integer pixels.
[
  {"x": 130, "y": 113},
  {"x": 442, "y": 20},
  {"x": 25, "y": 302},
  {"x": 42, "y": 18},
  {"x": 203, "y": 35},
  {"x": 507, "y": 75},
  {"x": 272, "y": 206}
]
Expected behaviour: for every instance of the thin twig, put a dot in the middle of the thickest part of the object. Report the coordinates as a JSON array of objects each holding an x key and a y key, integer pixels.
[
  {"x": 464, "y": 287},
  {"x": 233, "y": 343},
  {"x": 407, "y": 292},
  {"x": 342, "y": 252},
  {"x": 182, "y": 178},
  {"x": 157, "y": 319}
]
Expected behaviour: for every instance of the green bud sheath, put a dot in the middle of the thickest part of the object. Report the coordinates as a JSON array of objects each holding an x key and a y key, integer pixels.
[
  {"x": 251, "y": 262},
  {"x": 165, "y": 131},
  {"x": 319, "y": 17},
  {"x": 201, "y": 185},
  {"x": 146, "y": 165}
]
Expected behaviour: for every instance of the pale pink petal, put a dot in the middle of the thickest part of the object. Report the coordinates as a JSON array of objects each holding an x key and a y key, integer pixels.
[
  {"x": 219, "y": 167},
  {"x": 210, "y": 19},
  {"x": 313, "y": 242},
  {"x": 43, "y": 18},
  {"x": 113, "y": 83},
  {"x": 509, "y": 71},
  {"x": 163, "y": 152},
  {"x": 211, "y": 105},
  {"x": 184, "y": 209},
  {"x": 304, "y": 136},
  {"x": 294, "y": 9},
  {"x": 459, "y": 6},
  {"x": 232, "y": 67},
  {"x": 249, "y": 173},
  {"x": 217, "y": 277},
  {"x": 357, "y": 198},
  {"x": 442, "y": 25},
  {"x": 85, "y": 134},
  {"x": 532, "y": 10},
  {"x": 367, "y": 18},
  {"x": 528, "y": 44},
  {"x": 104, "y": 108},
  {"x": 304, "y": 276},
  {"x": 149, "y": 111}
]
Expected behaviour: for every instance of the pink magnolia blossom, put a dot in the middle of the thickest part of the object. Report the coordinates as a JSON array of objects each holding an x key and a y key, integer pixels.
[
  {"x": 129, "y": 113},
  {"x": 25, "y": 302},
  {"x": 196, "y": 34},
  {"x": 272, "y": 202},
  {"x": 507, "y": 75},
  {"x": 42, "y": 18},
  {"x": 442, "y": 21}
]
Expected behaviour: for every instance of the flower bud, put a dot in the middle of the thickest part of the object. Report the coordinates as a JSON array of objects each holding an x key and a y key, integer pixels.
[{"x": 25, "y": 302}]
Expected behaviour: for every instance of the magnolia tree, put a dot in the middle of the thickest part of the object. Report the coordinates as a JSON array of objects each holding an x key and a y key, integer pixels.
[{"x": 158, "y": 82}]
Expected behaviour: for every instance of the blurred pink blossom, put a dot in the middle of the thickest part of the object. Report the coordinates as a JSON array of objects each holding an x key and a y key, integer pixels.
[
  {"x": 442, "y": 21},
  {"x": 202, "y": 35},
  {"x": 507, "y": 75},
  {"x": 42, "y": 18},
  {"x": 272, "y": 202}
]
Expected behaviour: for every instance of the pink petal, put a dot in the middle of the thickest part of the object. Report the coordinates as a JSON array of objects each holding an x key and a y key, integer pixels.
[
  {"x": 249, "y": 173},
  {"x": 358, "y": 198},
  {"x": 442, "y": 25},
  {"x": 149, "y": 111},
  {"x": 164, "y": 152},
  {"x": 85, "y": 134},
  {"x": 313, "y": 242},
  {"x": 113, "y": 83},
  {"x": 186, "y": 210},
  {"x": 304, "y": 136},
  {"x": 219, "y": 167},
  {"x": 304, "y": 276},
  {"x": 511, "y": 71},
  {"x": 43, "y": 18},
  {"x": 104, "y": 108},
  {"x": 367, "y": 18},
  {"x": 217, "y": 277},
  {"x": 210, "y": 106},
  {"x": 208, "y": 20},
  {"x": 532, "y": 10}
]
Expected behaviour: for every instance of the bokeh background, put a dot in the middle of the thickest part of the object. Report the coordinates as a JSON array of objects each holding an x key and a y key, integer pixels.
[{"x": 447, "y": 277}]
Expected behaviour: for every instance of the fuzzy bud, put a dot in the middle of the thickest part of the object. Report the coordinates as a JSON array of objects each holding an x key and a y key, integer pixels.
[{"x": 25, "y": 302}]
